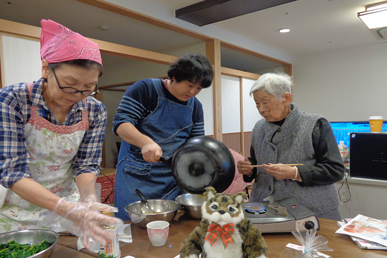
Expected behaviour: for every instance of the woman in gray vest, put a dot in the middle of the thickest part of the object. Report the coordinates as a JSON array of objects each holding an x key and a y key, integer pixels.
[{"x": 288, "y": 135}]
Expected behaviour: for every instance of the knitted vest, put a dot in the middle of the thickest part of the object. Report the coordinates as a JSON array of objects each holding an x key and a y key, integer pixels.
[{"x": 291, "y": 143}]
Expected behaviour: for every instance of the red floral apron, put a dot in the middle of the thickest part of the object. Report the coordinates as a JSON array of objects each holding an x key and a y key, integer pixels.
[{"x": 51, "y": 150}]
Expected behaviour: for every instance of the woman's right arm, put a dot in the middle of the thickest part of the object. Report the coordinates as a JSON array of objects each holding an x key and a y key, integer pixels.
[
  {"x": 13, "y": 153},
  {"x": 245, "y": 167},
  {"x": 33, "y": 192},
  {"x": 86, "y": 217}
]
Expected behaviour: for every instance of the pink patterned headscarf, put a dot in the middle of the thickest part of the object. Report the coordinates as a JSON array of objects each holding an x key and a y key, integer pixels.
[{"x": 59, "y": 44}]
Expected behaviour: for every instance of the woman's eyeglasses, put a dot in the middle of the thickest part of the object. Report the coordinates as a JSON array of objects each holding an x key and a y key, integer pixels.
[{"x": 71, "y": 90}]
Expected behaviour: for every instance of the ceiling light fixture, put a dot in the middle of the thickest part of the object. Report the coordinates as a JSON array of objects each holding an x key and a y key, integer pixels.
[
  {"x": 375, "y": 15},
  {"x": 284, "y": 30}
]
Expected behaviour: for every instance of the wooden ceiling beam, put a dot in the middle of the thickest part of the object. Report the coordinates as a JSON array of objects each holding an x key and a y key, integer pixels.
[
  {"x": 210, "y": 11},
  {"x": 20, "y": 29}
]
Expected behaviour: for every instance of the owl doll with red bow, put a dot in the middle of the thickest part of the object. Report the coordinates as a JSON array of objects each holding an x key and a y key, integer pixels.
[{"x": 224, "y": 231}]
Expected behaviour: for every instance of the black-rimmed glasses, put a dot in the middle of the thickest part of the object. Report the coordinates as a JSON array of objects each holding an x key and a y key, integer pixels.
[{"x": 71, "y": 90}]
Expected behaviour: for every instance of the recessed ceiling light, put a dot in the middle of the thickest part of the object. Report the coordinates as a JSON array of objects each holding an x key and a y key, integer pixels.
[{"x": 284, "y": 30}]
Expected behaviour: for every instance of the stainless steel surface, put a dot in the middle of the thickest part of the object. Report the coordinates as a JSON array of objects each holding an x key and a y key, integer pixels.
[
  {"x": 163, "y": 209},
  {"x": 191, "y": 204},
  {"x": 32, "y": 237},
  {"x": 272, "y": 221}
]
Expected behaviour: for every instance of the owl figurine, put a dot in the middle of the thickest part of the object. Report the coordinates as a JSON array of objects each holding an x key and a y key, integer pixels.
[{"x": 223, "y": 230}]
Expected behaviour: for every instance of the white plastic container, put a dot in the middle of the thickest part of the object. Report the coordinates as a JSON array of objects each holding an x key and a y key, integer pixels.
[
  {"x": 112, "y": 247},
  {"x": 344, "y": 151}
]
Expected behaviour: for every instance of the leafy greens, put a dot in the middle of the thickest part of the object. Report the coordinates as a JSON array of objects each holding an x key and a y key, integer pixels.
[{"x": 13, "y": 249}]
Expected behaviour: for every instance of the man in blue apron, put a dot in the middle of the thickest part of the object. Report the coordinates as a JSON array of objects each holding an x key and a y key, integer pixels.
[{"x": 154, "y": 118}]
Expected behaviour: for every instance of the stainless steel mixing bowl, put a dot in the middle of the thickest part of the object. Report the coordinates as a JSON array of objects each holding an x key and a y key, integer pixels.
[
  {"x": 191, "y": 204},
  {"x": 32, "y": 237},
  {"x": 141, "y": 215}
]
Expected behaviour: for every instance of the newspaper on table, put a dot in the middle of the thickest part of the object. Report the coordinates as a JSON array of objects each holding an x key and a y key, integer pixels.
[
  {"x": 363, "y": 244},
  {"x": 366, "y": 228}
]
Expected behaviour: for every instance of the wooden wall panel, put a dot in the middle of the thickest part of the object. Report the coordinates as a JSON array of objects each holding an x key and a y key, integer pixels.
[
  {"x": 247, "y": 141},
  {"x": 213, "y": 55},
  {"x": 99, "y": 97},
  {"x": 232, "y": 141}
]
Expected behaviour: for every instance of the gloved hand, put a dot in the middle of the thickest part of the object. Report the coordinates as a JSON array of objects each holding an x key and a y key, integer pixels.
[
  {"x": 88, "y": 193},
  {"x": 87, "y": 220}
]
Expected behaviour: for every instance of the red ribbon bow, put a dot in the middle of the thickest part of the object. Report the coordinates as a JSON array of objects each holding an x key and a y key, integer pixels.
[{"x": 216, "y": 232}]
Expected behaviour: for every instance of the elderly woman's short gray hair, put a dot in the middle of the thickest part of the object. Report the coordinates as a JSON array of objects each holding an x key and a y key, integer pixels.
[{"x": 274, "y": 83}]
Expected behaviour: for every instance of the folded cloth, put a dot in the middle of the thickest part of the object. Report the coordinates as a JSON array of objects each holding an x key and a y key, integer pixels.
[
  {"x": 125, "y": 233},
  {"x": 59, "y": 44}
]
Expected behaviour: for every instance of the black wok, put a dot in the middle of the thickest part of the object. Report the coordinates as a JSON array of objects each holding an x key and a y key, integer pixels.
[{"x": 203, "y": 161}]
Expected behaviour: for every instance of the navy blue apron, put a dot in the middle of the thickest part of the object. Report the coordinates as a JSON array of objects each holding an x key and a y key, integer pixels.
[{"x": 169, "y": 125}]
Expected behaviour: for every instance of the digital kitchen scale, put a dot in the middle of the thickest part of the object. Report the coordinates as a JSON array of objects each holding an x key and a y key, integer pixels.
[{"x": 281, "y": 216}]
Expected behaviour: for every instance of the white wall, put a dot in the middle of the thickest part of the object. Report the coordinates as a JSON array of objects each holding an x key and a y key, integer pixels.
[
  {"x": 250, "y": 111},
  {"x": 206, "y": 98},
  {"x": 344, "y": 84},
  {"x": 367, "y": 197},
  {"x": 347, "y": 85},
  {"x": 230, "y": 104},
  {"x": 22, "y": 59}
]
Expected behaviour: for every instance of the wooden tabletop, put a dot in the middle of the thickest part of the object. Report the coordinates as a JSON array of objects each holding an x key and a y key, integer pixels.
[
  {"x": 62, "y": 251},
  {"x": 180, "y": 228}
]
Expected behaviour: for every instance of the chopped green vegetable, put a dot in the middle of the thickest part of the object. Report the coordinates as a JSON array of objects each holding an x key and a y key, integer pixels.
[
  {"x": 105, "y": 256},
  {"x": 15, "y": 250}
]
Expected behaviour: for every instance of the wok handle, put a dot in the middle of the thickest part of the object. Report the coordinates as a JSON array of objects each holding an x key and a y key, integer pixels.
[{"x": 166, "y": 160}]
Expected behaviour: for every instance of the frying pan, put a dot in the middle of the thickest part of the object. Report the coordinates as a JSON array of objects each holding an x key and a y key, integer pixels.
[{"x": 200, "y": 162}]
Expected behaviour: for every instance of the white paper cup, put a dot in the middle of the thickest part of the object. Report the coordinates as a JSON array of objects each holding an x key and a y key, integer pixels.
[
  {"x": 158, "y": 232},
  {"x": 376, "y": 123}
]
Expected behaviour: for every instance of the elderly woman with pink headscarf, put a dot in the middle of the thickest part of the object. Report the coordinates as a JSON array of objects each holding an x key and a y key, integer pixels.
[{"x": 51, "y": 138}]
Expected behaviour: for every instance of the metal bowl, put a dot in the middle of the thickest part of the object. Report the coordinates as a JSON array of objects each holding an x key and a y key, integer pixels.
[
  {"x": 32, "y": 237},
  {"x": 191, "y": 204},
  {"x": 140, "y": 214}
]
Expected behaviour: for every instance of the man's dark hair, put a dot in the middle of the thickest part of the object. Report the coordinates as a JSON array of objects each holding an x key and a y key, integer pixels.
[{"x": 193, "y": 68}]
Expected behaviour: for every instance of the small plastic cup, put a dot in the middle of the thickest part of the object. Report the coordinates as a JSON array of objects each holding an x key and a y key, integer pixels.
[
  {"x": 158, "y": 232},
  {"x": 376, "y": 123}
]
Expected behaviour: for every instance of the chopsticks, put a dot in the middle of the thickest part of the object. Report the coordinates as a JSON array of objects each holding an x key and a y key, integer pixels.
[{"x": 278, "y": 165}]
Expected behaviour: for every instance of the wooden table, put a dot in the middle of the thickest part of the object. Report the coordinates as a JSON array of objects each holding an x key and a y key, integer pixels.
[
  {"x": 62, "y": 251},
  {"x": 141, "y": 247}
]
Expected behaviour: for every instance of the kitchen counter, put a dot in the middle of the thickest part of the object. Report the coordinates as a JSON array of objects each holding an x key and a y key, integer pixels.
[{"x": 181, "y": 227}]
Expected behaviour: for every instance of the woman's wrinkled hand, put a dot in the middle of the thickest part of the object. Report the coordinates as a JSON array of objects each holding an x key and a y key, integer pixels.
[
  {"x": 244, "y": 167},
  {"x": 280, "y": 172}
]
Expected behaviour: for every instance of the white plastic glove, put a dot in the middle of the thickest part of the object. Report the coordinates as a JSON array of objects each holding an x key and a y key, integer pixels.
[{"x": 86, "y": 220}]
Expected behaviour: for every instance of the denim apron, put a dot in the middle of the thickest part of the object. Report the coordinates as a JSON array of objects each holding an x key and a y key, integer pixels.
[{"x": 169, "y": 125}]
